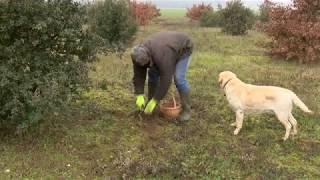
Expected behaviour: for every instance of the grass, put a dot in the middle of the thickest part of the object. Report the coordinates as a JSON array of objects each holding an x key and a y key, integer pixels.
[
  {"x": 99, "y": 138},
  {"x": 173, "y": 12}
]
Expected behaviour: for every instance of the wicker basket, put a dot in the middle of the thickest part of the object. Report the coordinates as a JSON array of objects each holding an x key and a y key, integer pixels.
[{"x": 170, "y": 109}]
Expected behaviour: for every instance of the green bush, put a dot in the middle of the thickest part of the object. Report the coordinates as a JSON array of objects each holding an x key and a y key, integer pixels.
[
  {"x": 112, "y": 20},
  {"x": 237, "y": 19},
  {"x": 264, "y": 10},
  {"x": 211, "y": 19},
  {"x": 44, "y": 52}
]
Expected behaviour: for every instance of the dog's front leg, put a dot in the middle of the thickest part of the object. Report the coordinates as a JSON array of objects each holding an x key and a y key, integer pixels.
[{"x": 239, "y": 121}]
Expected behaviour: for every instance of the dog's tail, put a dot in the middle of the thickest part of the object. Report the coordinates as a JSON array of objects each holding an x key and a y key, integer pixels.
[{"x": 300, "y": 104}]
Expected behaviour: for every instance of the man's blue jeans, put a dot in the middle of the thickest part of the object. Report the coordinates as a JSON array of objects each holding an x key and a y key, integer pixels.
[{"x": 179, "y": 75}]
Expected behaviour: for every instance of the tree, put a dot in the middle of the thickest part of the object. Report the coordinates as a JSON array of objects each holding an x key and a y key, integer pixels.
[
  {"x": 237, "y": 19},
  {"x": 113, "y": 21},
  {"x": 212, "y": 19},
  {"x": 144, "y": 12},
  {"x": 195, "y": 12},
  {"x": 44, "y": 56},
  {"x": 294, "y": 30},
  {"x": 264, "y": 10}
]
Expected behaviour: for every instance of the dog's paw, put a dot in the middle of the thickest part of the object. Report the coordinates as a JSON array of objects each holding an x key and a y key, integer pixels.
[
  {"x": 284, "y": 138},
  {"x": 293, "y": 133},
  {"x": 311, "y": 112},
  {"x": 233, "y": 124},
  {"x": 236, "y": 132}
]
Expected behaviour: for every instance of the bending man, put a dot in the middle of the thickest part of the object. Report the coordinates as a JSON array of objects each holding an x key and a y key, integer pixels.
[{"x": 164, "y": 56}]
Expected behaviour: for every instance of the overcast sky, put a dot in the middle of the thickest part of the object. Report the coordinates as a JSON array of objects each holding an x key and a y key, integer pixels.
[
  {"x": 259, "y": 1},
  {"x": 254, "y": 4},
  {"x": 188, "y": 3}
]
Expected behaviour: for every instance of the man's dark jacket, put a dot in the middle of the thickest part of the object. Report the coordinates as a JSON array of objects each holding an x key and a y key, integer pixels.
[{"x": 166, "y": 49}]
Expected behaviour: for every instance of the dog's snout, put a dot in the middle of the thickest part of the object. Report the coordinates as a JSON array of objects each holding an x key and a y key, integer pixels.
[{"x": 220, "y": 83}]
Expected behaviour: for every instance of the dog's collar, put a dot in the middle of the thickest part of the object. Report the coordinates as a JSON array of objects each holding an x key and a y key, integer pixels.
[{"x": 224, "y": 86}]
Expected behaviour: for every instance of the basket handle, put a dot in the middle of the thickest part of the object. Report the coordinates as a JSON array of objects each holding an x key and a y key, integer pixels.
[{"x": 174, "y": 101}]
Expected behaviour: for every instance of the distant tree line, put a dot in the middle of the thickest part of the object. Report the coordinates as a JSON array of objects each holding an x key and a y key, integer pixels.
[{"x": 293, "y": 29}]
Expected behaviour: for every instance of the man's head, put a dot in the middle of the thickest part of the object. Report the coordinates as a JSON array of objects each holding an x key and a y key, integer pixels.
[{"x": 140, "y": 55}]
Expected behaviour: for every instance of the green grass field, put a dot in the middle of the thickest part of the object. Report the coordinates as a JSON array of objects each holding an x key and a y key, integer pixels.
[
  {"x": 173, "y": 13},
  {"x": 99, "y": 137}
]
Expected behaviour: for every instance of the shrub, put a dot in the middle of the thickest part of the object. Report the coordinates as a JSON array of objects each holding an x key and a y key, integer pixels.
[
  {"x": 144, "y": 12},
  {"x": 264, "y": 10},
  {"x": 195, "y": 12},
  {"x": 211, "y": 19},
  {"x": 294, "y": 30},
  {"x": 44, "y": 52},
  {"x": 237, "y": 19},
  {"x": 111, "y": 20}
]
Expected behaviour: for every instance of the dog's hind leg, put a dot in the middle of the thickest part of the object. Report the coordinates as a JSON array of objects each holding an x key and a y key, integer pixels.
[
  {"x": 284, "y": 119},
  {"x": 239, "y": 121},
  {"x": 294, "y": 123}
]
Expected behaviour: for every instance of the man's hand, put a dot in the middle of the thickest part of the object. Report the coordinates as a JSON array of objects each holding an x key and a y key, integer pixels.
[
  {"x": 150, "y": 106},
  {"x": 140, "y": 101}
]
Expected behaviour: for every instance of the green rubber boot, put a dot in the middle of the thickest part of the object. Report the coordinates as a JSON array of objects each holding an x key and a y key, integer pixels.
[{"x": 186, "y": 107}]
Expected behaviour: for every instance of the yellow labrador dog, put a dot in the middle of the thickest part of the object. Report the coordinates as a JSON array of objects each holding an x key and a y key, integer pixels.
[{"x": 246, "y": 97}]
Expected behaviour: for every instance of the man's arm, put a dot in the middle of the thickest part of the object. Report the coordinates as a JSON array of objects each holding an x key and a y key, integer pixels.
[
  {"x": 139, "y": 78},
  {"x": 167, "y": 69}
]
